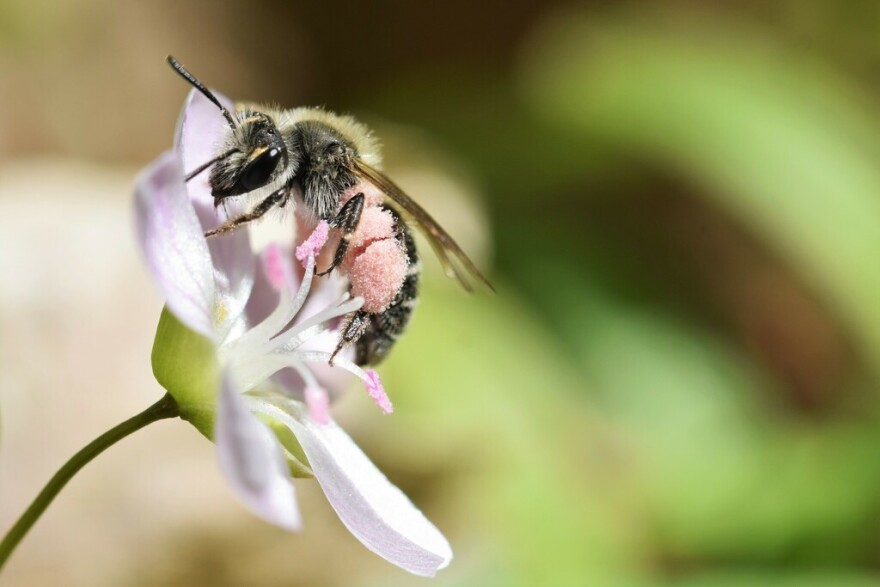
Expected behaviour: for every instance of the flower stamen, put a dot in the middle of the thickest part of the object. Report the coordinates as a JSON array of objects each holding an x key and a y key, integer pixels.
[
  {"x": 377, "y": 391},
  {"x": 273, "y": 265},
  {"x": 318, "y": 402},
  {"x": 312, "y": 245},
  {"x": 369, "y": 377},
  {"x": 289, "y": 303}
]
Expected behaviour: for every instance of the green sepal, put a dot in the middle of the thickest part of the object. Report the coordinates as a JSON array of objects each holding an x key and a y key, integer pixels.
[
  {"x": 296, "y": 457},
  {"x": 185, "y": 364}
]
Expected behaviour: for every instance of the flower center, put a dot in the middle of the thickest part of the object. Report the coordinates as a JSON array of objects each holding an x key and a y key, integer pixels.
[{"x": 284, "y": 339}]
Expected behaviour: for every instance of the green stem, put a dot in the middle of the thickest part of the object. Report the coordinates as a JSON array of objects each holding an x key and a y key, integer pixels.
[{"x": 164, "y": 408}]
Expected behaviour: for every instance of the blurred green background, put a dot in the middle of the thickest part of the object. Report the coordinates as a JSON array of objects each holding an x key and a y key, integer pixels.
[{"x": 678, "y": 381}]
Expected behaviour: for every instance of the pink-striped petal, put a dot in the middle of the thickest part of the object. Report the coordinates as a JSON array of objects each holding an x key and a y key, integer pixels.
[
  {"x": 173, "y": 245},
  {"x": 200, "y": 130},
  {"x": 253, "y": 461},
  {"x": 376, "y": 512},
  {"x": 200, "y": 136}
]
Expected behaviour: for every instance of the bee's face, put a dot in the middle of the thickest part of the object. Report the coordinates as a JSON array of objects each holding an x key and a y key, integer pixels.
[{"x": 260, "y": 155}]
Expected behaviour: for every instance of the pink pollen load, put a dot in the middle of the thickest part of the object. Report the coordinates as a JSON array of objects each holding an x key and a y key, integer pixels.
[
  {"x": 377, "y": 274},
  {"x": 377, "y": 392},
  {"x": 375, "y": 224},
  {"x": 312, "y": 245}
]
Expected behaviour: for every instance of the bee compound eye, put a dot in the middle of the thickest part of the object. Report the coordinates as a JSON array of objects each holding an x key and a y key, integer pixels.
[{"x": 257, "y": 172}]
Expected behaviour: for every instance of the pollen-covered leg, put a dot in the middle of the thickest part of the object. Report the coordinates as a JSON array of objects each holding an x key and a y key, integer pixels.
[
  {"x": 347, "y": 219},
  {"x": 352, "y": 330},
  {"x": 278, "y": 198}
]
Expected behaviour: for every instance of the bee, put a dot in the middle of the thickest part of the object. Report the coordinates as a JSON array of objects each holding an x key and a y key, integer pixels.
[{"x": 322, "y": 161}]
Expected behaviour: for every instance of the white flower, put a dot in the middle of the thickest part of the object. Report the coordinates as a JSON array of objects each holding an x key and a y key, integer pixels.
[{"x": 244, "y": 335}]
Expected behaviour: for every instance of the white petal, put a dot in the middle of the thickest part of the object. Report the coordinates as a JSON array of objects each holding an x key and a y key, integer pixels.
[
  {"x": 200, "y": 135},
  {"x": 201, "y": 129},
  {"x": 234, "y": 268},
  {"x": 253, "y": 462},
  {"x": 173, "y": 245},
  {"x": 373, "y": 509}
]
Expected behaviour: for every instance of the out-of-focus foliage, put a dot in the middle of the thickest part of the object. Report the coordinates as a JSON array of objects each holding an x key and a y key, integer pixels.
[
  {"x": 678, "y": 381},
  {"x": 729, "y": 452}
]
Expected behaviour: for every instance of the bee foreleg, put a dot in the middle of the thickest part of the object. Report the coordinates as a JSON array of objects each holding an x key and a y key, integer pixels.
[
  {"x": 353, "y": 329},
  {"x": 347, "y": 219},
  {"x": 277, "y": 198}
]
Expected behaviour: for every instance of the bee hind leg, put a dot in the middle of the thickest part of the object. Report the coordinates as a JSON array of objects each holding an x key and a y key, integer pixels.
[
  {"x": 347, "y": 219},
  {"x": 352, "y": 330}
]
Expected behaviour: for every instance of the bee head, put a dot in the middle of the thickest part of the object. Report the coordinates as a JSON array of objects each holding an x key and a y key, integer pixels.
[
  {"x": 254, "y": 148},
  {"x": 257, "y": 151}
]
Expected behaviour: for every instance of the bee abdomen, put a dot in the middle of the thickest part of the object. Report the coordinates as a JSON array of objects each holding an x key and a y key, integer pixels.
[{"x": 386, "y": 327}]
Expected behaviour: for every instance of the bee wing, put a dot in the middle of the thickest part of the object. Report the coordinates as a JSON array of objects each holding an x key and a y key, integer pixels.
[{"x": 439, "y": 239}]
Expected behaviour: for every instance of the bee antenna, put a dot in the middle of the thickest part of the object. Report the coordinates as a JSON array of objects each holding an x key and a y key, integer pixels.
[
  {"x": 194, "y": 81},
  {"x": 204, "y": 166}
]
